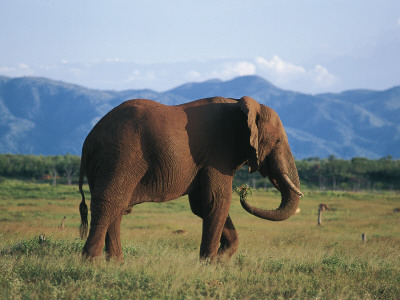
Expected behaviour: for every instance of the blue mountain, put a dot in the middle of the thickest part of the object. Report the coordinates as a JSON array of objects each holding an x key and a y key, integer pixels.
[{"x": 42, "y": 116}]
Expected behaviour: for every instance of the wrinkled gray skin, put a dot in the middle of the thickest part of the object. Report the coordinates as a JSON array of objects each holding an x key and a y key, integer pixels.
[{"x": 143, "y": 151}]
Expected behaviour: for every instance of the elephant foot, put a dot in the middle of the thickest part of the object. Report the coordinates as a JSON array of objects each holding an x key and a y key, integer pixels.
[
  {"x": 114, "y": 252},
  {"x": 113, "y": 241},
  {"x": 227, "y": 248},
  {"x": 95, "y": 242},
  {"x": 225, "y": 255},
  {"x": 205, "y": 261},
  {"x": 115, "y": 259},
  {"x": 229, "y": 241},
  {"x": 94, "y": 255},
  {"x": 217, "y": 259},
  {"x": 90, "y": 256}
]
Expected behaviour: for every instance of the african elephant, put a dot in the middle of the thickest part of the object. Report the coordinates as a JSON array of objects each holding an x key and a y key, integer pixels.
[{"x": 144, "y": 151}]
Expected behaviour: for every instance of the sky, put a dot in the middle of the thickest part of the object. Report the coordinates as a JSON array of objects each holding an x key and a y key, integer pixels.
[{"x": 310, "y": 46}]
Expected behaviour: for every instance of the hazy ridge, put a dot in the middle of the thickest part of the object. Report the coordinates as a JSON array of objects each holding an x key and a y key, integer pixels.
[{"x": 42, "y": 116}]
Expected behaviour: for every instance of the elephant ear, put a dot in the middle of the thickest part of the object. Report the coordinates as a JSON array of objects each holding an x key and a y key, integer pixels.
[{"x": 251, "y": 109}]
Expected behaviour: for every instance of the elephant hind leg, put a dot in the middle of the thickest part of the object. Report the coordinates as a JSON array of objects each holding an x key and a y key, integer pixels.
[
  {"x": 95, "y": 242},
  {"x": 113, "y": 240},
  {"x": 229, "y": 240},
  {"x": 104, "y": 228},
  {"x": 108, "y": 234}
]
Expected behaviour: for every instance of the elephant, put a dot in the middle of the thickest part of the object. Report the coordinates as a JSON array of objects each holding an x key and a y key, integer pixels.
[{"x": 144, "y": 151}]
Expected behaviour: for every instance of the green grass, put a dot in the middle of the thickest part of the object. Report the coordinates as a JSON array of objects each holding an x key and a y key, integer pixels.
[{"x": 294, "y": 259}]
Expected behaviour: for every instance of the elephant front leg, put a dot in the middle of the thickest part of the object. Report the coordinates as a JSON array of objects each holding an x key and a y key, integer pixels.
[
  {"x": 229, "y": 240},
  {"x": 213, "y": 225},
  {"x": 212, "y": 204},
  {"x": 113, "y": 240}
]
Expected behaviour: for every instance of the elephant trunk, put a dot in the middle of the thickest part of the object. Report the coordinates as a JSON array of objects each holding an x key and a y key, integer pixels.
[{"x": 287, "y": 182}]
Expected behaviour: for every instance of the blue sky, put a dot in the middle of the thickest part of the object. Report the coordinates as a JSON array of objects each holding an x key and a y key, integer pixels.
[{"x": 310, "y": 46}]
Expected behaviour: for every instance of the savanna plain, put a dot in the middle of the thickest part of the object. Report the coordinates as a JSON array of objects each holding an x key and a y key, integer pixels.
[{"x": 294, "y": 259}]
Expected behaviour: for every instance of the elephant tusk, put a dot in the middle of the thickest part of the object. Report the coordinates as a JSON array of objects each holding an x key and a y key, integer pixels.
[{"x": 287, "y": 180}]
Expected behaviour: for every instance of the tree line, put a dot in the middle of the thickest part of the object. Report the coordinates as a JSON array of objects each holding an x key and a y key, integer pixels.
[
  {"x": 54, "y": 169},
  {"x": 325, "y": 174},
  {"x": 337, "y": 174}
]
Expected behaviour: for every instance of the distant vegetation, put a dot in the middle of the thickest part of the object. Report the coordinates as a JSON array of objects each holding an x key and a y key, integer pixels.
[
  {"x": 324, "y": 174},
  {"x": 338, "y": 174},
  {"x": 54, "y": 169}
]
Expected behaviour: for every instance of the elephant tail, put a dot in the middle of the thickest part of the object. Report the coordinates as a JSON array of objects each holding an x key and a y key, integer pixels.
[{"x": 83, "y": 210}]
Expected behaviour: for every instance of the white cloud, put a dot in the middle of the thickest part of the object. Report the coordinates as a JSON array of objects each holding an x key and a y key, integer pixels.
[
  {"x": 135, "y": 75},
  {"x": 291, "y": 76},
  {"x": 23, "y": 66},
  {"x": 142, "y": 76},
  {"x": 398, "y": 21},
  {"x": 115, "y": 59},
  {"x": 18, "y": 70},
  {"x": 216, "y": 69},
  {"x": 279, "y": 66},
  {"x": 242, "y": 68},
  {"x": 118, "y": 74},
  {"x": 233, "y": 69},
  {"x": 193, "y": 75},
  {"x": 322, "y": 76},
  {"x": 6, "y": 69}
]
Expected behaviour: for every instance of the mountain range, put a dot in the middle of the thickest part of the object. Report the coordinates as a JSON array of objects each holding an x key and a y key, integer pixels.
[{"x": 43, "y": 116}]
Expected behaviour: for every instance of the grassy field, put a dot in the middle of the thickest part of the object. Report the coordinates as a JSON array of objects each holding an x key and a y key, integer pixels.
[{"x": 294, "y": 259}]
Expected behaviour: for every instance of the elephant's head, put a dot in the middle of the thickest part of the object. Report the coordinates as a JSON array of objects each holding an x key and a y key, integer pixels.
[{"x": 271, "y": 156}]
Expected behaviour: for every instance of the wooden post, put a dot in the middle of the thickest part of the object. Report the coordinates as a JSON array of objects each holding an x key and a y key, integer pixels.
[
  {"x": 62, "y": 225},
  {"x": 322, "y": 207},
  {"x": 364, "y": 237},
  {"x": 319, "y": 216}
]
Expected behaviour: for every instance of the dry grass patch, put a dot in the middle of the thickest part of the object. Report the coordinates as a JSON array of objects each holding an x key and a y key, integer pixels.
[{"x": 276, "y": 260}]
